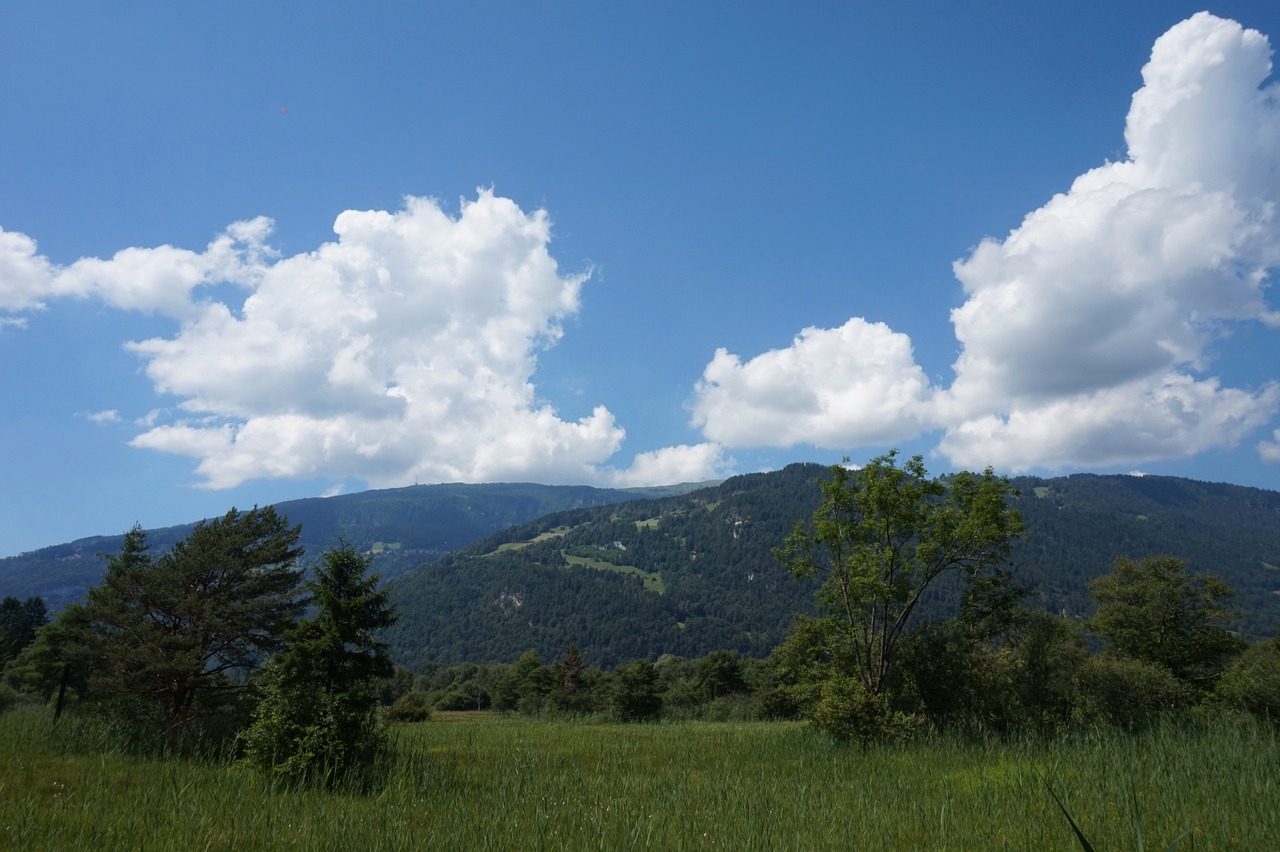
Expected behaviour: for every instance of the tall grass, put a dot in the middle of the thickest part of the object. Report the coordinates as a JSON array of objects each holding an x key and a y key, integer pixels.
[{"x": 504, "y": 783}]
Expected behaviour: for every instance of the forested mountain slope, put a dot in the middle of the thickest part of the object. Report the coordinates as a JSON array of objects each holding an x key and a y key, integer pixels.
[
  {"x": 1078, "y": 524},
  {"x": 690, "y": 574},
  {"x": 691, "y": 570},
  {"x": 403, "y": 527}
]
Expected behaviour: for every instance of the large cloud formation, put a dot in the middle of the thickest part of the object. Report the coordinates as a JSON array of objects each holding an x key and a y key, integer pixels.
[
  {"x": 1086, "y": 332},
  {"x": 402, "y": 351}
]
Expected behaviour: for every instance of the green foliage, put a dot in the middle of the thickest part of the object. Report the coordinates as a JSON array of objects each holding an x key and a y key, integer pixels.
[
  {"x": 636, "y": 696},
  {"x": 166, "y": 642},
  {"x": 1130, "y": 693},
  {"x": 1024, "y": 679},
  {"x": 848, "y": 710},
  {"x": 953, "y": 680},
  {"x": 42, "y": 669},
  {"x": 882, "y": 535},
  {"x": 1155, "y": 611},
  {"x": 523, "y": 686},
  {"x": 410, "y": 707},
  {"x": 316, "y": 721},
  {"x": 1252, "y": 682},
  {"x": 19, "y": 621},
  {"x": 720, "y": 673},
  {"x": 1045, "y": 654},
  {"x": 569, "y": 692}
]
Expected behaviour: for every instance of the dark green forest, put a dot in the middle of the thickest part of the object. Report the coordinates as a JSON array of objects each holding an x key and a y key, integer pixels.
[
  {"x": 690, "y": 574},
  {"x": 400, "y": 527},
  {"x": 486, "y": 572}
]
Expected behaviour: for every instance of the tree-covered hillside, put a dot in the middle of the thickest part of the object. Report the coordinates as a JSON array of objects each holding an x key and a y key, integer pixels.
[
  {"x": 400, "y": 527},
  {"x": 679, "y": 575},
  {"x": 690, "y": 574},
  {"x": 693, "y": 571},
  {"x": 1080, "y": 523}
]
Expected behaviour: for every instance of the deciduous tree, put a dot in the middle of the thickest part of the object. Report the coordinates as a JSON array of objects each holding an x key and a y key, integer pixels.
[
  {"x": 881, "y": 536},
  {"x": 1156, "y": 611}
]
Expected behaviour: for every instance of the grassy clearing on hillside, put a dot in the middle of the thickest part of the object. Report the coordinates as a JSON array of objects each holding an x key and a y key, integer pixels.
[
  {"x": 652, "y": 582},
  {"x": 478, "y": 781},
  {"x": 558, "y": 532}
]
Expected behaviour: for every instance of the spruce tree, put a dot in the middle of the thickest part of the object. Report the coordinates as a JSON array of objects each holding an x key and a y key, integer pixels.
[{"x": 317, "y": 719}]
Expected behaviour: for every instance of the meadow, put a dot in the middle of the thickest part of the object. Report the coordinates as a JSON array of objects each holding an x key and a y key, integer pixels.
[{"x": 479, "y": 781}]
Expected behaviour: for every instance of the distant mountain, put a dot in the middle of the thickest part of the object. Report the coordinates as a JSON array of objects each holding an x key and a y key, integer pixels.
[
  {"x": 402, "y": 527},
  {"x": 485, "y": 572},
  {"x": 693, "y": 573}
]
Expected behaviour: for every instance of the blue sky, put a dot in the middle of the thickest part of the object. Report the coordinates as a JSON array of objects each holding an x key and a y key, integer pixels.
[{"x": 254, "y": 252}]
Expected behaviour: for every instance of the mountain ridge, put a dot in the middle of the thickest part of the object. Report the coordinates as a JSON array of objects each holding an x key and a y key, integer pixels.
[{"x": 485, "y": 572}]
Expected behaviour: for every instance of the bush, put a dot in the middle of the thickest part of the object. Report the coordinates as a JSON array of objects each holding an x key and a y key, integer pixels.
[
  {"x": 410, "y": 707},
  {"x": 1253, "y": 681},
  {"x": 1130, "y": 693},
  {"x": 463, "y": 698},
  {"x": 848, "y": 711}
]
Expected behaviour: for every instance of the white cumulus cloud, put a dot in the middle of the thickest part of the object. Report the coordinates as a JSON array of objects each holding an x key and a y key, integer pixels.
[
  {"x": 671, "y": 465},
  {"x": 1269, "y": 451},
  {"x": 155, "y": 280},
  {"x": 101, "y": 417},
  {"x": 402, "y": 351},
  {"x": 838, "y": 387},
  {"x": 1087, "y": 334}
]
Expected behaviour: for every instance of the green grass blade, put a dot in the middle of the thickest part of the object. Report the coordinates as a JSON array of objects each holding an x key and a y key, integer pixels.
[{"x": 1084, "y": 841}]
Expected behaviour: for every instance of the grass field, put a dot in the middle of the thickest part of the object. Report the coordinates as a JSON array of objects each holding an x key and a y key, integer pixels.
[{"x": 484, "y": 782}]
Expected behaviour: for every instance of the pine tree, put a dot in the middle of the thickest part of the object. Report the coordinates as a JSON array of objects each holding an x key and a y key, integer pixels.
[
  {"x": 165, "y": 643},
  {"x": 19, "y": 621},
  {"x": 317, "y": 719}
]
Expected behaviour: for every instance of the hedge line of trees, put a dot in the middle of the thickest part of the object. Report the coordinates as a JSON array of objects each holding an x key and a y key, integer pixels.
[{"x": 1039, "y": 672}]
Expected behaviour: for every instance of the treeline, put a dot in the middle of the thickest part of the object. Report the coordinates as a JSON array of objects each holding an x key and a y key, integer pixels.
[
  {"x": 883, "y": 541},
  {"x": 1042, "y": 672},
  {"x": 1077, "y": 524}
]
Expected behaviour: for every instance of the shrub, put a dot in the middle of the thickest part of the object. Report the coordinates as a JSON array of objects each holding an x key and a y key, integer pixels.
[
  {"x": 1130, "y": 693},
  {"x": 847, "y": 710},
  {"x": 410, "y": 707},
  {"x": 1253, "y": 681}
]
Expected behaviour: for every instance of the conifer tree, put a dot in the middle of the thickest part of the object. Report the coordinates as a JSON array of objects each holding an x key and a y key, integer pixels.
[
  {"x": 167, "y": 641},
  {"x": 317, "y": 719}
]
